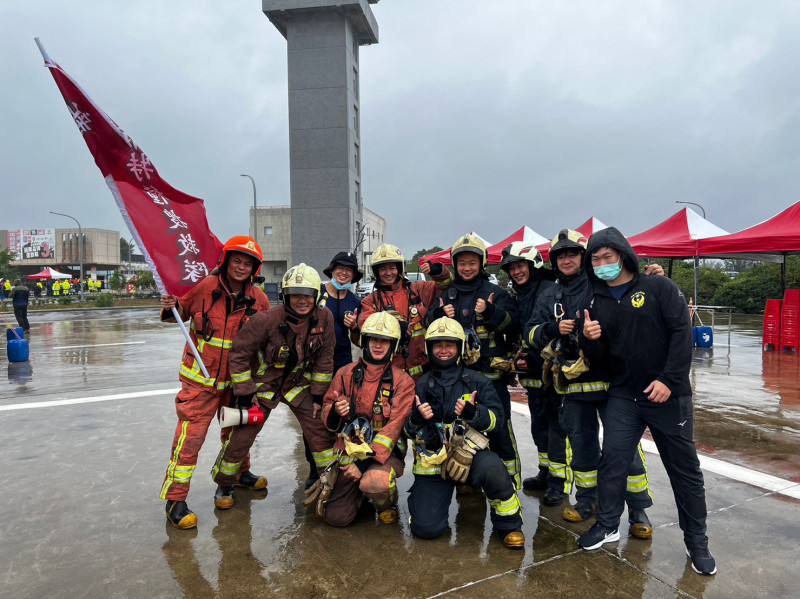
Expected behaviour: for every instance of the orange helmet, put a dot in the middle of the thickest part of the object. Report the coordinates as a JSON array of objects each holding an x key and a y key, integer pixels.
[{"x": 243, "y": 245}]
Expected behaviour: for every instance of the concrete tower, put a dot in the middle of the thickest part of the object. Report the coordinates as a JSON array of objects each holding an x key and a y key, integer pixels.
[{"x": 323, "y": 39}]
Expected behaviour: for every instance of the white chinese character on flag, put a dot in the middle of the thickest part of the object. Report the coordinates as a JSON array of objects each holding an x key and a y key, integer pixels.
[
  {"x": 177, "y": 223},
  {"x": 140, "y": 166},
  {"x": 82, "y": 119},
  {"x": 194, "y": 271},
  {"x": 155, "y": 195},
  {"x": 189, "y": 245}
]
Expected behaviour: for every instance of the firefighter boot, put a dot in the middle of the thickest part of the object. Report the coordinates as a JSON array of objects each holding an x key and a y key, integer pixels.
[
  {"x": 248, "y": 480},
  {"x": 389, "y": 516},
  {"x": 223, "y": 498},
  {"x": 514, "y": 539},
  {"x": 641, "y": 528},
  {"x": 554, "y": 497},
  {"x": 579, "y": 512},
  {"x": 180, "y": 516},
  {"x": 536, "y": 483}
]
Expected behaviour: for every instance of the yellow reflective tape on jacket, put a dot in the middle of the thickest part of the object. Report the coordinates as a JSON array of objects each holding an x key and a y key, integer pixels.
[
  {"x": 321, "y": 377},
  {"x": 531, "y": 383},
  {"x": 214, "y": 342},
  {"x": 505, "y": 323},
  {"x": 241, "y": 377},
  {"x": 193, "y": 374},
  {"x": 295, "y": 391},
  {"x": 414, "y": 370},
  {"x": 385, "y": 441},
  {"x": 492, "y": 376},
  {"x": 531, "y": 342},
  {"x": 591, "y": 387},
  {"x": 323, "y": 459}
]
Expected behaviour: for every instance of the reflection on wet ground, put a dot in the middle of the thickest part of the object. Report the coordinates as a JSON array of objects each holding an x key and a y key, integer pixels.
[{"x": 82, "y": 483}]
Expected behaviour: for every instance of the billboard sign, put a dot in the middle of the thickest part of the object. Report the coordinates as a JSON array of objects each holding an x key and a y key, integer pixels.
[{"x": 27, "y": 244}]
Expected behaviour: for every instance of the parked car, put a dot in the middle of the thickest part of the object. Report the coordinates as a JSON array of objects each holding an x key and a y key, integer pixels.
[{"x": 365, "y": 288}]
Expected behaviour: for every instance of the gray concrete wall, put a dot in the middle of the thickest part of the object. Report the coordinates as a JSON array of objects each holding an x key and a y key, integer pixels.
[{"x": 324, "y": 145}]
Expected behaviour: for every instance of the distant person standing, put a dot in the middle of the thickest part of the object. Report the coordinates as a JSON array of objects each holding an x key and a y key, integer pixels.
[
  {"x": 20, "y": 296},
  {"x": 56, "y": 288},
  {"x": 7, "y": 287}
]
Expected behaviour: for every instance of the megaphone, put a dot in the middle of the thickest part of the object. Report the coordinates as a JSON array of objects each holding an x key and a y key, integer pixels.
[{"x": 240, "y": 416}]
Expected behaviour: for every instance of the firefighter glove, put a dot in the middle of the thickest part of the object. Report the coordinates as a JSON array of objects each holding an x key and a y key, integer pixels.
[
  {"x": 459, "y": 460},
  {"x": 244, "y": 401},
  {"x": 321, "y": 490}
]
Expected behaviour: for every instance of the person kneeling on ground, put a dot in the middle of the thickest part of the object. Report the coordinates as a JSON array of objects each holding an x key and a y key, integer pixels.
[
  {"x": 367, "y": 405},
  {"x": 450, "y": 448}
]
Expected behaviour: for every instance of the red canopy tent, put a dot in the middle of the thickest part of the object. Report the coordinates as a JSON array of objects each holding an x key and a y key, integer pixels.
[
  {"x": 587, "y": 228},
  {"x": 678, "y": 236},
  {"x": 48, "y": 274},
  {"x": 777, "y": 235},
  {"x": 443, "y": 257},
  {"x": 522, "y": 234}
]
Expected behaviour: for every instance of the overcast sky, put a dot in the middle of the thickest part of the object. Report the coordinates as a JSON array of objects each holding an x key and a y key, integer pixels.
[{"x": 475, "y": 115}]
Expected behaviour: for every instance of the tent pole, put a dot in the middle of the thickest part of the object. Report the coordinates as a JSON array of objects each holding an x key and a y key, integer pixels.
[
  {"x": 669, "y": 268},
  {"x": 783, "y": 275},
  {"x": 696, "y": 278}
]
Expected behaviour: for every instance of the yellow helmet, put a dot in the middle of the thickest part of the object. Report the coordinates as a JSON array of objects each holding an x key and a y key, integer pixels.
[
  {"x": 567, "y": 239},
  {"x": 381, "y": 325},
  {"x": 385, "y": 254},
  {"x": 301, "y": 280},
  {"x": 445, "y": 329},
  {"x": 470, "y": 243}
]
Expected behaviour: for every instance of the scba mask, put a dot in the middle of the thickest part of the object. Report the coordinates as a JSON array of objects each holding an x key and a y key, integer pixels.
[{"x": 608, "y": 272}]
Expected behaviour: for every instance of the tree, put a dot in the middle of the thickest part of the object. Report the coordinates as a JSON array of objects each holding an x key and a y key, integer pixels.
[
  {"x": 413, "y": 263},
  {"x": 750, "y": 291},
  {"x": 710, "y": 281},
  {"x": 124, "y": 249},
  {"x": 117, "y": 281},
  {"x": 145, "y": 280},
  {"x": 6, "y": 270}
]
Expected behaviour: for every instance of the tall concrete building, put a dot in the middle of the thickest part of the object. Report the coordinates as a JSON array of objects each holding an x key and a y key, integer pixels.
[{"x": 323, "y": 39}]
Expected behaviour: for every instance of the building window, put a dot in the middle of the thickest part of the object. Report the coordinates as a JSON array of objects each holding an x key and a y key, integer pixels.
[
  {"x": 356, "y": 156},
  {"x": 355, "y": 121},
  {"x": 355, "y": 82},
  {"x": 278, "y": 270},
  {"x": 267, "y": 230}
]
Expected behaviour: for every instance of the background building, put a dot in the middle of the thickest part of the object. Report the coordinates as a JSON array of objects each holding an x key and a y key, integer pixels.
[
  {"x": 59, "y": 248},
  {"x": 275, "y": 238},
  {"x": 323, "y": 38}
]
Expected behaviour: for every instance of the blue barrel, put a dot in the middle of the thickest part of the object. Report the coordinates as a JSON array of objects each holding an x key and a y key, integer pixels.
[
  {"x": 705, "y": 337},
  {"x": 694, "y": 336},
  {"x": 18, "y": 350},
  {"x": 10, "y": 336}
]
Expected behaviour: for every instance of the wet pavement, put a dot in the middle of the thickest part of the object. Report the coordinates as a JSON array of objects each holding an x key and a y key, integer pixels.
[{"x": 82, "y": 517}]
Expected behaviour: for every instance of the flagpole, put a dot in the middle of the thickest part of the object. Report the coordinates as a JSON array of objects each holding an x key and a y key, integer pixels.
[{"x": 50, "y": 63}]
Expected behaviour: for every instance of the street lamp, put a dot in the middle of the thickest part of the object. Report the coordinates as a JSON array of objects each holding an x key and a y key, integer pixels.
[
  {"x": 255, "y": 208},
  {"x": 693, "y": 204},
  {"x": 80, "y": 248}
]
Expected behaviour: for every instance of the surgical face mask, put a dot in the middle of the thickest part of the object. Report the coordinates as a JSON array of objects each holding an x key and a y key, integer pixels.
[
  {"x": 608, "y": 272},
  {"x": 339, "y": 286}
]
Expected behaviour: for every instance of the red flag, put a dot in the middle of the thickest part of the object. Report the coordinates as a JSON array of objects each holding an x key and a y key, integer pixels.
[{"x": 168, "y": 225}]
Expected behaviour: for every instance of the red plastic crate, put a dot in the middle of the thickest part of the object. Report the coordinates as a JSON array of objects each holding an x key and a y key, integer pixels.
[
  {"x": 772, "y": 325},
  {"x": 790, "y": 320}
]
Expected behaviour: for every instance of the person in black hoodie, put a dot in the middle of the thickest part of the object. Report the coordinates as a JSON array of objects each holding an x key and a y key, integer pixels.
[
  {"x": 525, "y": 267},
  {"x": 488, "y": 314},
  {"x": 641, "y": 327},
  {"x": 572, "y": 409}
]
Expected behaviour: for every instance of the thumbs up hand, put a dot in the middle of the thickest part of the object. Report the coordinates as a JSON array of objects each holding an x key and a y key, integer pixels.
[
  {"x": 591, "y": 328},
  {"x": 485, "y": 307},
  {"x": 466, "y": 409},
  {"x": 449, "y": 310},
  {"x": 341, "y": 405},
  {"x": 421, "y": 413}
]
